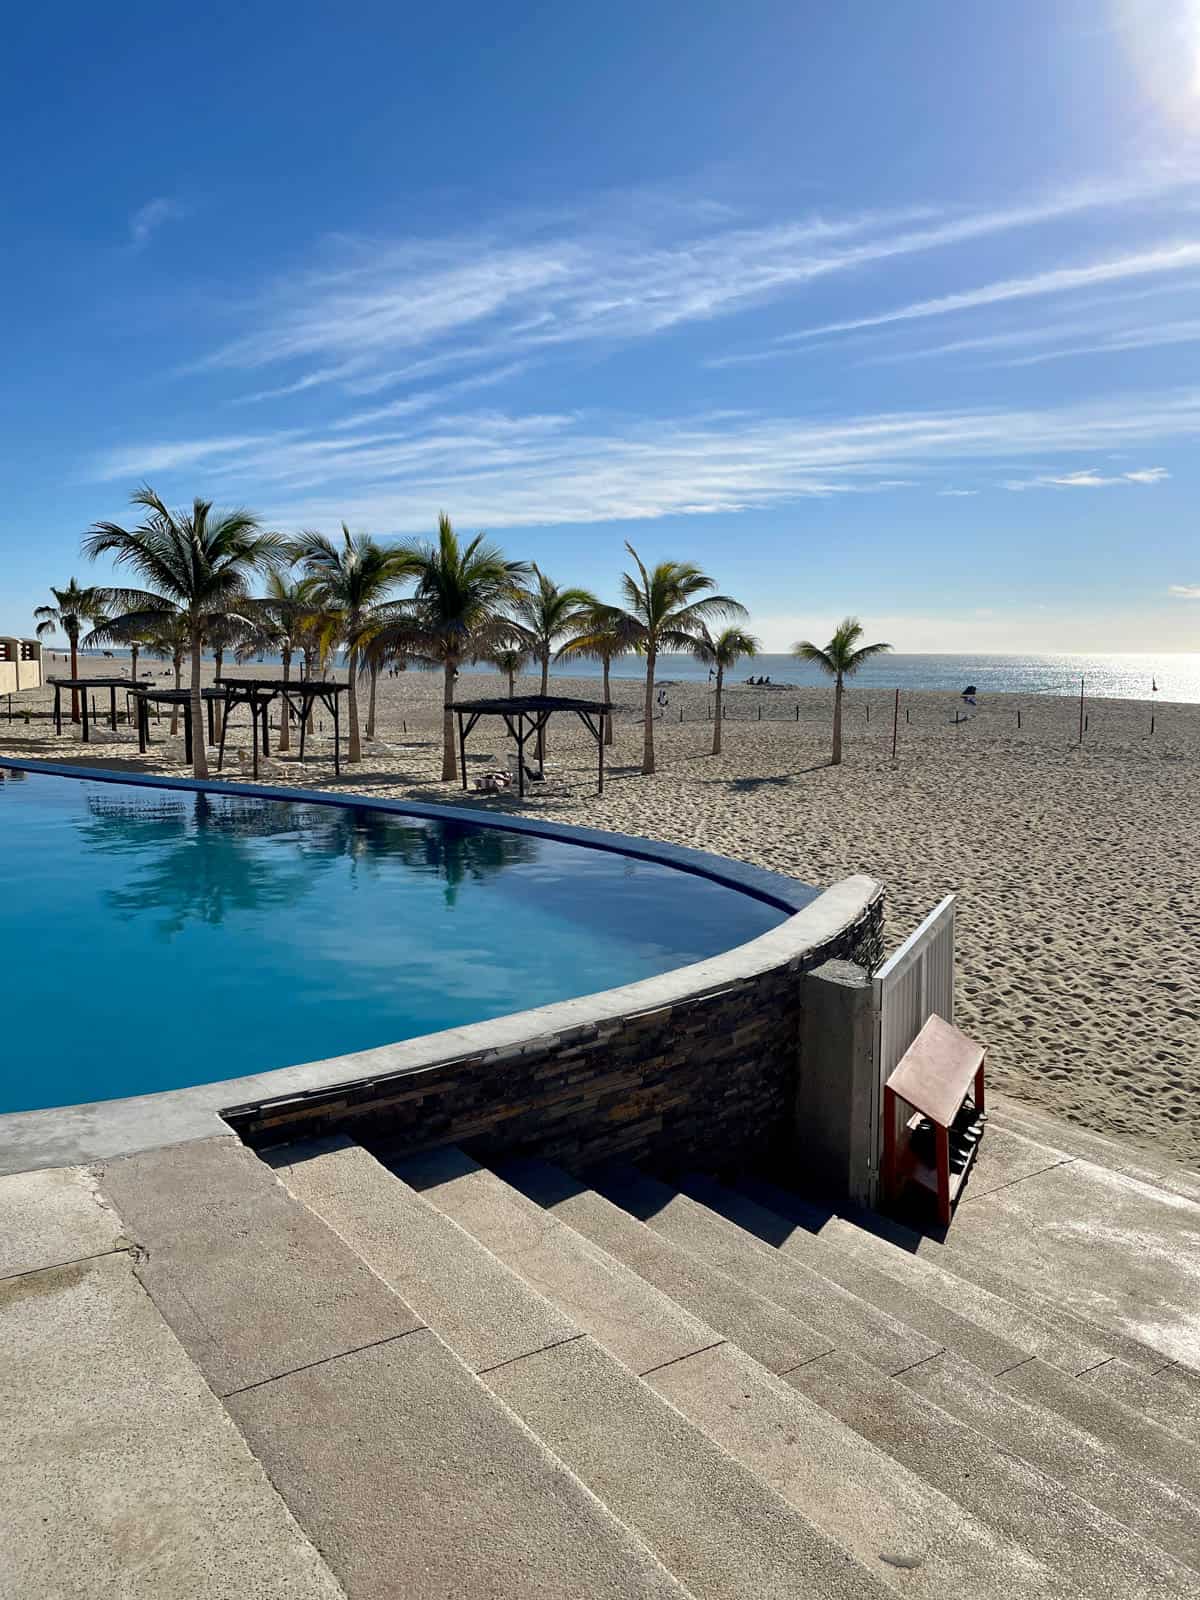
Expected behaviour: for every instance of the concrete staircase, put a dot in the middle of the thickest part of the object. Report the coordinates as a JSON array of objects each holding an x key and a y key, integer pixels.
[
  {"x": 516, "y": 1381},
  {"x": 766, "y": 1409}
]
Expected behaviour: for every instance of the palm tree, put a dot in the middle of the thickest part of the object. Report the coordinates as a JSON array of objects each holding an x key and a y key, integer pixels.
[
  {"x": 545, "y": 612},
  {"x": 234, "y": 634},
  {"x": 350, "y": 586},
  {"x": 721, "y": 654},
  {"x": 282, "y": 622},
  {"x": 668, "y": 607},
  {"x": 510, "y": 662},
  {"x": 457, "y": 614},
  {"x": 72, "y": 608},
  {"x": 841, "y": 659},
  {"x": 605, "y": 632},
  {"x": 199, "y": 563}
]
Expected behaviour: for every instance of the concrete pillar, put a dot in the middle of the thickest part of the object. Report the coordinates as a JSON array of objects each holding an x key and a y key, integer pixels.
[{"x": 834, "y": 1122}]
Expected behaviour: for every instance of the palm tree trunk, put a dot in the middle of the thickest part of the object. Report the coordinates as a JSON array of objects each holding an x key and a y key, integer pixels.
[
  {"x": 648, "y": 728},
  {"x": 199, "y": 749},
  {"x": 837, "y": 722},
  {"x": 449, "y": 760},
  {"x": 284, "y": 742},
  {"x": 541, "y": 738},
  {"x": 308, "y": 672},
  {"x": 371, "y": 701},
  {"x": 73, "y": 637},
  {"x": 355, "y": 741},
  {"x": 177, "y": 671},
  {"x": 512, "y": 683},
  {"x": 608, "y": 722},
  {"x": 716, "y": 749},
  {"x": 218, "y": 663}
]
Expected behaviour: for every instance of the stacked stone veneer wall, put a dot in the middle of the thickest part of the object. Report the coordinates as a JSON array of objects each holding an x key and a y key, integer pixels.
[{"x": 705, "y": 1076}]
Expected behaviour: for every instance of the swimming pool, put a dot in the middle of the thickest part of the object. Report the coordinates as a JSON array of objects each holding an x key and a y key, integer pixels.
[{"x": 154, "y": 937}]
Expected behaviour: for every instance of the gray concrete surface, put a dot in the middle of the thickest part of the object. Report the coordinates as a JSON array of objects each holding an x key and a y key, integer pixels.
[
  {"x": 1155, "y": 1449},
  {"x": 837, "y": 1081},
  {"x": 1099, "y": 1472},
  {"x": 484, "y": 1311},
  {"x": 252, "y": 1283},
  {"x": 847, "y": 1321},
  {"x": 1094, "y": 1554},
  {"x": 1121, "y": 1252},
  {"x": 899, "y": 1297},
  {"x": 625, "y": 1314},
  {"x": 1146, "y": 1165},
  {"x": 1170, "y": 1397},
  {"x": 893, "y": 1522},
  {"x": 710, "y": 1520},
  {"x": 123, "y": 1477},
  {"x": 777, "y": 1340},
  {"x": 51, "y": 1217},
  {"x": 1058, "y": 1338},
  {"x": 416, "y": 1483},
  {"x": 1005, "y": 1157}
]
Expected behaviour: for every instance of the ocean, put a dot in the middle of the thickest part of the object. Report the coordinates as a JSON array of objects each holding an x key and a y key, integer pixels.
[{"x": 1118, "y": 677}]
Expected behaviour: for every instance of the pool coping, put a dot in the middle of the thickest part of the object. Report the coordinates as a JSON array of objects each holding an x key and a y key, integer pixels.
[{"x": 97, "y": 1130}]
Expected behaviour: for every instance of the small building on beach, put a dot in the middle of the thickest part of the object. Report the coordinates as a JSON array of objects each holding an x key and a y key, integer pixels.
[{"x": 20, "y": 664}]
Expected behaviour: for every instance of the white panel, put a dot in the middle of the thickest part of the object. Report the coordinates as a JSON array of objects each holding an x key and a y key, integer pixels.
[{"x": 912, "y": 985}]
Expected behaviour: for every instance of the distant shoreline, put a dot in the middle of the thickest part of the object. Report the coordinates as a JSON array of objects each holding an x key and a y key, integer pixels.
[{"x": 1115, "y": 677}]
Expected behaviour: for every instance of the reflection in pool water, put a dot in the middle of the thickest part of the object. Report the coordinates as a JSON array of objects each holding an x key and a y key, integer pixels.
[{"x": 152, "y": 938}]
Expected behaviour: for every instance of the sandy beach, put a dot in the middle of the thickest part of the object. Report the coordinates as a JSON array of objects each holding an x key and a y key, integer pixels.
[{"x": 1078, "y": 919}]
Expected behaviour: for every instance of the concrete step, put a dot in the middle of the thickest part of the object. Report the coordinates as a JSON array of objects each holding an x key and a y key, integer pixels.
[
  {"x": 898, "y": 1527},
  {"x": 1174, "y": 1405},
  {"x": 845, "y": 1319},
  {"x": 123, "y": 1475},
  {"x": 867, "y": 1401},
  {"x": 1098, "y": 1472},
  {"x": 405, "y": 1472},
  {"x": 964, "y": 1279},
  {"x": 986, "y": 1332},
  {"x": 1155, "y": 1449},
  {"x": 1146, "y": 1166},
  {"x": 711, "y": 1521},
  {"x": 1170, "y": 1396},
  {"x": 776, "y": 1340},
  {"x": 997, "y": 1485},
  {"x": 1092, "y": 1551}
]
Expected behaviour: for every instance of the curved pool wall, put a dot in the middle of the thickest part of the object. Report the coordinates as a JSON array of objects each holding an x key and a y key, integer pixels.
[{"x": 699, "y": 1063}]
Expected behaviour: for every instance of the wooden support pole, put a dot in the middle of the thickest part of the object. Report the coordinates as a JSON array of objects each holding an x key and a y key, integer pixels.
[
  {"x": 895, "y": 723},
  {"x": 1081, "y": 727}
]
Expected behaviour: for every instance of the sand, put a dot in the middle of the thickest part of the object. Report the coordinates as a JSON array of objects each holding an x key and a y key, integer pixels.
[{"x": 1075, "y": 867}]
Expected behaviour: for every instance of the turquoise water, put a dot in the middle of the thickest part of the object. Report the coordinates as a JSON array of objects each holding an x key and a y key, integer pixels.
[{"x": 152, "y": 938}]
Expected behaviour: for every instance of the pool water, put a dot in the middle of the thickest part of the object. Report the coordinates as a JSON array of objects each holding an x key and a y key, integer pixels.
[{"x": 153, "y": 938}]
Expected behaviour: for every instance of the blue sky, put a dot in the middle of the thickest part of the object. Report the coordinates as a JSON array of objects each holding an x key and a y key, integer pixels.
[{"x": 874, "y": 307}]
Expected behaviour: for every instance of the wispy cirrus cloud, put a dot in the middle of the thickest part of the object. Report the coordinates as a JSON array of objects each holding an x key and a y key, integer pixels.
[
  {"x": 1089, "y": 478},
  {"x": 541, "y": 469},
  {"x": 1177, "y": 256},
  {"x": 426, "y": 399},
  {"x": 148, "y": 219},
  {"x": 1185, "y": 591},
  {"x": 378, "y": 309}
]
